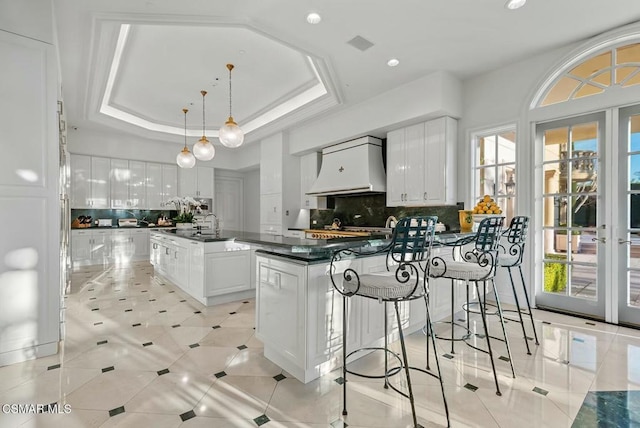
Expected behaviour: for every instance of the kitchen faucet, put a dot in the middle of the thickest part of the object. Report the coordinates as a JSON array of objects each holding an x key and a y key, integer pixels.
[
  {"x": 391, "y": 222},
  {"x": 216, "y": 222}
]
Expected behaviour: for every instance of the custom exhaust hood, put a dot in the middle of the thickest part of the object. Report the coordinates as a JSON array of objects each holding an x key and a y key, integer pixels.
[{"x": 352, "y": 167}]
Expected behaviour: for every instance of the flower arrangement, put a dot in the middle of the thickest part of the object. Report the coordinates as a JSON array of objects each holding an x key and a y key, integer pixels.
[{"x": 186, "y": 207}]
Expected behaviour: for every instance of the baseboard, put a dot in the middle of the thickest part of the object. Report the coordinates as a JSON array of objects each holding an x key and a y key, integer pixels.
[{"x": 29, "y": 353}]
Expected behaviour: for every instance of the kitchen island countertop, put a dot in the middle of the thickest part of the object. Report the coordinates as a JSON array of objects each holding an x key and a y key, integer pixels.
[{"x": 298, "y": 249}]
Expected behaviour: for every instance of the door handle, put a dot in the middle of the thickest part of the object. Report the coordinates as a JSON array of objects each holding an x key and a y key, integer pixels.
[
  {"x": 601, "y": 240},
  {"x": 622, "y": 241}
]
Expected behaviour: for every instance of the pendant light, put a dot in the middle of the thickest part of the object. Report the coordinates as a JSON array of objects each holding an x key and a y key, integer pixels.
[
  {"x": 203, "y": 149},
  {"x": 230, "y": 134},
  {"x": 185, "y": 158}
]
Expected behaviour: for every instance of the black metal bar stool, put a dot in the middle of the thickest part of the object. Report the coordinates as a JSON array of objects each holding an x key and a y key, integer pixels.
[
  {"x": 479, "y": 264},
  {"x": 407, "y": 260},
  {"x": 511, "y": 255}
]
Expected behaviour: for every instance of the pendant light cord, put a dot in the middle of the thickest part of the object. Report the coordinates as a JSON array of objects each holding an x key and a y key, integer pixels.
[
  {"x": 230, "y": 115},
  {"x": 203, "y": 128},
  {"x": 185, "y": 127}
]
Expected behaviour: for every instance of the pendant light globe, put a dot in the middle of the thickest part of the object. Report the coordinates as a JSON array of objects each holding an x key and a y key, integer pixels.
[
  {"x": 203, "y": 149},
  {"x": 185, "y": 158},
  {"x": 230, "y": 134}
]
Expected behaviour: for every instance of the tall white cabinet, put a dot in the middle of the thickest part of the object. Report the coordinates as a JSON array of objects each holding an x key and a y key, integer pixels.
[
  {"x": 279, "y": 185},
  {"x": 421, "y": 164},
  {"x": 30, "y": 285}
]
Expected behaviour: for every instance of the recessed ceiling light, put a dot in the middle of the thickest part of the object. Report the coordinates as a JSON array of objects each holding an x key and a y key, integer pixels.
[
  {"x": 314, "y": 18},
  {"x": 515, "y": 4},
  {"x": 393, "y": 62}
]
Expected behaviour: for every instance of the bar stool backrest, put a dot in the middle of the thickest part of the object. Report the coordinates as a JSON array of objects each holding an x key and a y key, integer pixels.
[
  {"x": 518, "y": 228},
  {"x": 412, "y": 239},
  {"x": 488, "y": 236}
]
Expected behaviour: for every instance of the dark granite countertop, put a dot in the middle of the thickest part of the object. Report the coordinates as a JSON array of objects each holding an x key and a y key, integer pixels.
[{"x": 299, "y": 249}]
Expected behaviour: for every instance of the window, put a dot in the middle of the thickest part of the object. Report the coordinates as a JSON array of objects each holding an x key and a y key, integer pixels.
[
  {"x": 495, "y": 169},
  {"x": 614, "y": 67}
]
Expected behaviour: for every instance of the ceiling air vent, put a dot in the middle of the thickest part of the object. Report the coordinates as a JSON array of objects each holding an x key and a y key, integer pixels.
[{"x": 360, "y": 42}]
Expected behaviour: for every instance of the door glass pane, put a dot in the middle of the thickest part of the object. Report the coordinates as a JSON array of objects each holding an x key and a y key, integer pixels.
[
  {"x": 583, "y": 281},
  {"x": 584, "y": 209},
  {"x": 555, "y": 143},
  {"x": 554, "y": 179},
  {"x": 555, "y": 274},
  {"x": 634, "y": 172},
  {"x": 634, "y": 141},
  {"x": 633, "y": 262}
]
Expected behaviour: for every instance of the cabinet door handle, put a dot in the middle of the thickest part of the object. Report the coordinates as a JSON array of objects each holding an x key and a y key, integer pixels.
[
  {"x": 175, "y": 255},
  {"x": 425, "y": 196},
  {"x": 166, "y": 251},
  {"x": 278, "y": 279}
]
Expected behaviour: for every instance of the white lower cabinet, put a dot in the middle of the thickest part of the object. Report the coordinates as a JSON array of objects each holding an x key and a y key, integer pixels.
[
  {"x": 299, "y": 315},
  {"x": 106, "y": 246},
  {"x": 227, "y": 272},
  {"x": 281, "y": 318},
  {"x": 81, "y": 247},
  {"x": 210, "y": 272}
]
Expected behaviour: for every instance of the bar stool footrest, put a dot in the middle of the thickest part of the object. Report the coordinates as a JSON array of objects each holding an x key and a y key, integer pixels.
[{"x": 391, "y": 372}]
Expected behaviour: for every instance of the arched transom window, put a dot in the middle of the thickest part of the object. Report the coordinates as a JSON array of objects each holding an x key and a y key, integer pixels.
[{"x": 619, "y": 66}]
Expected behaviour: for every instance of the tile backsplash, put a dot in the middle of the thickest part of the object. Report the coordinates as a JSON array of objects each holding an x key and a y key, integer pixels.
[
  {"x": 371, "y": 211},
  {"x": 148, "y": 215}
]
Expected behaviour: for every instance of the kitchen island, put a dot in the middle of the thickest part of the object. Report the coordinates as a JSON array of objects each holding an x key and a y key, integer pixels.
[{"x": 298, "y": 312}]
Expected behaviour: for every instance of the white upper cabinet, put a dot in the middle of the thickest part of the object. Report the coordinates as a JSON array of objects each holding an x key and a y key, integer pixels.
[
  {"x": 89, "y": 182},
  {"x": 154, "y": 195},
  {"x": 100, "y": 169},
  {"x": 309, "y": 169},
  {"x": 119, "y": 178},
  {"x": 421, "y": 164},
  {"x": 440, "y": 152},
  {"x": 137, "y": 184},
  {"x": 196, "y": 182},
  {"x": 161, "y": 184},
  {"x": 127, "y": 184}
]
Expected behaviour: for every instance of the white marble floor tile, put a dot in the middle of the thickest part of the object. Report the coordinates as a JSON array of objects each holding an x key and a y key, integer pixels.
[
  {"x": 234, "y": 397},
  {"x": 110, "y": 390},
  {"x": 131, "y": 364},
  {"x": 171, "y": 393}
]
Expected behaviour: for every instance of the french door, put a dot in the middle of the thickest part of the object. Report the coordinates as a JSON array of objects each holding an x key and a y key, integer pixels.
[
  {"x": 575, "y": 209},
  {"x": 627, "y": 234},
  {"x": 591, "y": 215}
]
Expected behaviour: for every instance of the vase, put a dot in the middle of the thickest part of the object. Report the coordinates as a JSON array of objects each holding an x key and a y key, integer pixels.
[
  {"x": 184, "y": 225},
  {"x": 466, "y": 220}
]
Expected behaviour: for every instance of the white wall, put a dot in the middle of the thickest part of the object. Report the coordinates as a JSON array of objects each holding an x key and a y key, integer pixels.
[
  {"x": 29, "y": 18},
  {"x": 127, "y": 146},
  {"x": 437, "y": 94},
  {"x": 29, "y": 195},
  {"x": 502, "y": 97},
  {"x": 252, "y": 200}
]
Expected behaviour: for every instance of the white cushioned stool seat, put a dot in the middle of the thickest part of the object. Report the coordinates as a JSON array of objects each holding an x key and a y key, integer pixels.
[
  {"x": 459, "y": 270},
  {"x": 383, "y": 285},
  {"x": 507, "y": 259}
]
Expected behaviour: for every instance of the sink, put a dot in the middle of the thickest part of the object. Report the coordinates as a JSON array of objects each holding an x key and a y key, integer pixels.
[{"x": 206, "y": 234}]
